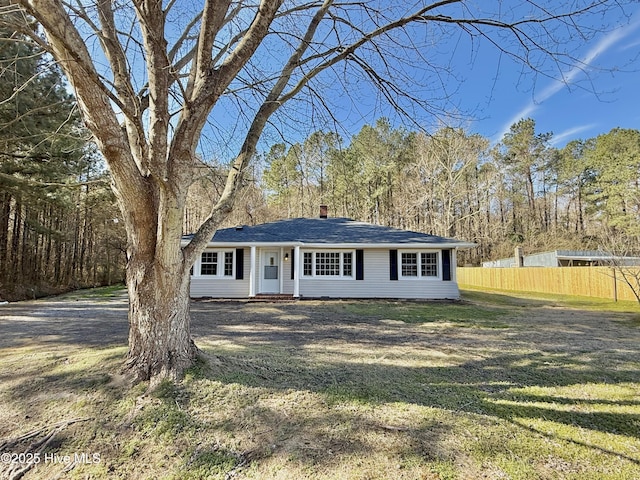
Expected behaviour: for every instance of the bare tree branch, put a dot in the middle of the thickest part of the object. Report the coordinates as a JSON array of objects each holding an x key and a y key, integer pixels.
[{"x": 122, "y": 79}]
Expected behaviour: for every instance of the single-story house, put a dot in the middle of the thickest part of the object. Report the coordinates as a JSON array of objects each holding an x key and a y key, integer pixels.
[{"x": 326, "y": 257}]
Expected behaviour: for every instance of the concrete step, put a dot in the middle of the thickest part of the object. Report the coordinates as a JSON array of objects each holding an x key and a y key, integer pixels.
[{"x": 273, "y": 298}]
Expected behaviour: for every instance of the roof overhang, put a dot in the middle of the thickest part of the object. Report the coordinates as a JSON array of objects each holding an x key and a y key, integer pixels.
[
  {"x": 595, "y": 258},
  {"x": 437, "y": 246},
  {"x": 433, "y": 246}
]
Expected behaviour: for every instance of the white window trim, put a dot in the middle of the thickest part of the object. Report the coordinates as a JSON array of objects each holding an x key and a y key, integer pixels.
[
  {"x": 197, "y": 267},
  {"x": 419, "y": 258},
  {"x": 328, "y": 277}
]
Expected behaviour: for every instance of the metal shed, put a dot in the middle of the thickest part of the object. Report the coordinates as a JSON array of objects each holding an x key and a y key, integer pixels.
[{"x": 565, "y": 258}]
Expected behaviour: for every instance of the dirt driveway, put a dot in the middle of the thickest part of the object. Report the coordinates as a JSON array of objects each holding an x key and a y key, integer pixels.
[
  {"x": 81, "y": 321},
  {"x": 68, "y": 319}
]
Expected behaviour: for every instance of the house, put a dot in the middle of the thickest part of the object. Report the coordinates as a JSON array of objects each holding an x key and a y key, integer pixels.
[{"x": 326, "y": 257}]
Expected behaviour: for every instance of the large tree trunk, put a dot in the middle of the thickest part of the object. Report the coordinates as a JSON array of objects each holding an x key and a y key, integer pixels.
[
  {"x": 160, "y": 344},
  {"x": 158, "y": 281}
]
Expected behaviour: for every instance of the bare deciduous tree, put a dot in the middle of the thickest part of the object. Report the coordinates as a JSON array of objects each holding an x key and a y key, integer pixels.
[
  {"x": 622, "y": 255},
  {"x": 444, "y": 160},
  {"x": 148, "y": 76}
]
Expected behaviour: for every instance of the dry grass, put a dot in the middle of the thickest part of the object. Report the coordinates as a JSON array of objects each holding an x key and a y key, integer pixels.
[{"x": 494, "y": 387}]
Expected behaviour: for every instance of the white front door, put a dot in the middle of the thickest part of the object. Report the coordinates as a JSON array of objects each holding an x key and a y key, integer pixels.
[{"x": 270, "y": 272}]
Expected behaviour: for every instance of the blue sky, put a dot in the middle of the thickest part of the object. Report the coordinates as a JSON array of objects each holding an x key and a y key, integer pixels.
[
  {"x": 583, "y": 107},
  {"x": 491, "y": 92}
]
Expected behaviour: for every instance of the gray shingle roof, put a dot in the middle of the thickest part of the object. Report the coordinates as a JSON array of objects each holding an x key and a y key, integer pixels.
[{"x": 326, "y": 231}]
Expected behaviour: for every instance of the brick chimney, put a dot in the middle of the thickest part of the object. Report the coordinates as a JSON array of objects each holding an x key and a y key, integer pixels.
[{"x": 323, "y": 211}]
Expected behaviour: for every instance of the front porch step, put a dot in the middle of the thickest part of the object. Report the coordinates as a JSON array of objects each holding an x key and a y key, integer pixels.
[{"x": 273, "y": 298}]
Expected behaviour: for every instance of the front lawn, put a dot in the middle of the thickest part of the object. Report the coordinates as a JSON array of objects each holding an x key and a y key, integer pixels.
[{"x": 490, "y": 387}]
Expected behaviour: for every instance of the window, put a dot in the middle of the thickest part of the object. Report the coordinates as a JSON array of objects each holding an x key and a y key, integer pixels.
[
  {"x": 216, "y": 264},
  {"x": 209, "y": 263},
  {"x": 328, "y": 264},
  {"x": 409, "y": 264},
  {"x": 228, "y": 264},
  {"x": 347, "y": 264},
  {"x": 419, "y": 264},
  {"x": 334, "y": 264},
  {"x": 307, "y": 270},
  {"x": 429, "y": 264}
]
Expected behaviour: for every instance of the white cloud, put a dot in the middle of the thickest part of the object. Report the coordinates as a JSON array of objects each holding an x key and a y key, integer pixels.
[
  {"x": 602, "y": 46},
  {"x": 570, "y": 133}
]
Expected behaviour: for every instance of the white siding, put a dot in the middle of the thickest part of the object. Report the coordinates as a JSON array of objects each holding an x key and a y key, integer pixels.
[
  {"x": 287, "y": 285},
  {"x": 376, "y": 283},
  {"x": 219, "y": 287}
]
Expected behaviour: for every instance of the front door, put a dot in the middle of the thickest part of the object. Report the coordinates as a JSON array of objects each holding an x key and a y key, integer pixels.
[{"x": 270, "y": 275}]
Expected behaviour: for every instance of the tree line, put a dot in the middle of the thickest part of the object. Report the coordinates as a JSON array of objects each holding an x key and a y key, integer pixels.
[
  {"x": 522, "y": 191},
  {"x": 58, "y": 227}
]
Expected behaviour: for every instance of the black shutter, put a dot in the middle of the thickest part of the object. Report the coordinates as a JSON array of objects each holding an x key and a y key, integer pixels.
[
  {"x": 359, "y": 264},
  {"x": 239, "y": 263},
  {"x": 393, "y": 264},
  {"x": 293, "y": 263},
  {"x": 446, "y": 265}
]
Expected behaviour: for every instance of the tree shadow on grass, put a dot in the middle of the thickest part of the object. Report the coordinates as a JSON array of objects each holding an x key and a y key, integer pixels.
[
  {"x": 483, "y": 389},
  {"x": 473, "y": 386},
  {"x": 58, "y": 407},
  {"x": 315, "y": 414},
  {"x": 487, "y": 372},
  {"x": 316, "y": 386}
]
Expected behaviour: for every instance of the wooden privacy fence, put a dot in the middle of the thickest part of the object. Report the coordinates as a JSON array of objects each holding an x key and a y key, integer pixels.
[{"x": 603, "y": 282}]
